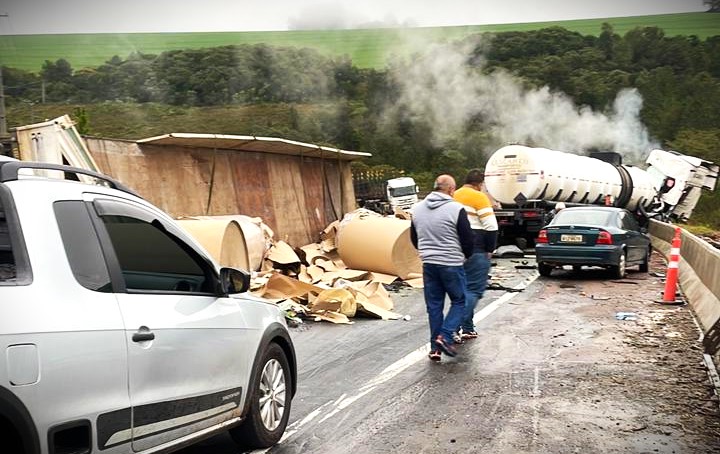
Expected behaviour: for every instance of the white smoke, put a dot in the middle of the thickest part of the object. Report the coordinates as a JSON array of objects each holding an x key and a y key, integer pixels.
[{"x": 439, "y": 88}]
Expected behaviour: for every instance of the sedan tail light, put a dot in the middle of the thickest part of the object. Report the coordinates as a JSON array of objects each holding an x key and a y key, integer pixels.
[
  {"x": 604, "y": 238},
  {"x": 542, "y": 237}
]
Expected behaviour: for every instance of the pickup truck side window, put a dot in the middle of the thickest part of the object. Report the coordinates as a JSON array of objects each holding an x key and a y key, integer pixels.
[
  {"x": 14, "y": 262},
  {"x": 82, "y": 246},
  {"x": 7, "y": 261},
  {"x": 152, "y": 259}
]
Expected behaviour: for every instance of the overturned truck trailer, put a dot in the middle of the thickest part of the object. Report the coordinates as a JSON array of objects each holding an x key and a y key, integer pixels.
[{"x": 528, "y": 182}]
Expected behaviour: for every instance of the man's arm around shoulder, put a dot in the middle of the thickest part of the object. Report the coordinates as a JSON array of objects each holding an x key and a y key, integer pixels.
[{"x": 465, "y": 233}]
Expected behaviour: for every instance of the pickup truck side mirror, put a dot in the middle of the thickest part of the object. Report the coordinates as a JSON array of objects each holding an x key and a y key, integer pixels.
[{"x": 233, "y": 281}]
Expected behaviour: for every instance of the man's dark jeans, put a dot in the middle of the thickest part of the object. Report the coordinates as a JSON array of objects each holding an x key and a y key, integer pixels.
[
  {"x": 441, "y": 280},
  {"x": 477, "y": 268}
]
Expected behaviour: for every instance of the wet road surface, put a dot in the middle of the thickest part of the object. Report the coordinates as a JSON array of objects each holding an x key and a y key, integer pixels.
[{"x": 553, "y": 371}]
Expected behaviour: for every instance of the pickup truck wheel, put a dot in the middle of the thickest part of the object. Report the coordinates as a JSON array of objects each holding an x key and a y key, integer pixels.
[
  {"x": 269, "y": 402},
  {"x": 544, "y": 269},
  {"x": 619, "y": 269}
]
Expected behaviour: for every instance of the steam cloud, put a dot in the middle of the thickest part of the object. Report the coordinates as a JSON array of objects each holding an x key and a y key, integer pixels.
[{"x": 439, "y": 88}]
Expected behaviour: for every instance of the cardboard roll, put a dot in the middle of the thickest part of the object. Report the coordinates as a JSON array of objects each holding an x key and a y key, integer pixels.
[
  {"x": 253, "y": 231},
  {"x": 380, "y": 244},
  {"x": 222, "y": 238}
]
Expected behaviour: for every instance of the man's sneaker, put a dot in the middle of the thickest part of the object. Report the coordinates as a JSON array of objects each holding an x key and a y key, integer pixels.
[
  {"x": 446, "y": 347},
  {"x": 458, "y": 339},
  {"x": 434, "y": 355},
  {"x": 469, "y": 335}
]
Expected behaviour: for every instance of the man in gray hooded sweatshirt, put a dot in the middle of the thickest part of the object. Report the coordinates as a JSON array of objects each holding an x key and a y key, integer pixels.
[{"x": 441, "y": 232}]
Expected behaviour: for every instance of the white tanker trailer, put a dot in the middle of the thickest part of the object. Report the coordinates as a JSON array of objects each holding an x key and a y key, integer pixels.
[{"x": 528, "y": 182}]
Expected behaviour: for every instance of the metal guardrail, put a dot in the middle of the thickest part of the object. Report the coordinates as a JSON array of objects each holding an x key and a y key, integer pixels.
[{"x": 699, "y": 278}]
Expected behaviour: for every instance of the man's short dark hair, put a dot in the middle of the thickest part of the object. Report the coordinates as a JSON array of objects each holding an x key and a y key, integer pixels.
[{"x": 475, "y": 176}]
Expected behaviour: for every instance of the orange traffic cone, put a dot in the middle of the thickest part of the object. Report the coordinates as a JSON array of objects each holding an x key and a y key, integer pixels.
[{"x": 671, "y": 279}]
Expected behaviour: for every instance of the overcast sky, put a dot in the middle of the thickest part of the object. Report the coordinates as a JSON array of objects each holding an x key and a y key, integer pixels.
[{"x": 124, "y": 16}]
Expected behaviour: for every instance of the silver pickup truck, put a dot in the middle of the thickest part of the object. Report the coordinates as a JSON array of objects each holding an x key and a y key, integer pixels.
[{"x": 119, "y": 333}]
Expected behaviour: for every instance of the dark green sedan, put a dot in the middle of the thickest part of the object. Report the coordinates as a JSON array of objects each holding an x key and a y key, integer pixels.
[{"x": 607, "y": 237}]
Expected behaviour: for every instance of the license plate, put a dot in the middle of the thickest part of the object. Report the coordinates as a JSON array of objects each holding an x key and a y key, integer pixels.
[{"x": 571, "y": 238}]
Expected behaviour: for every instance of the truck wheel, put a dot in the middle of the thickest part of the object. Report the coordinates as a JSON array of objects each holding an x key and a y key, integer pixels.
[
  {"x": 270, "y": 399},
  {"x": 544, "y": 269},
  {"x": 521, "y": 242},
  {"x": 619, "y": 269}
]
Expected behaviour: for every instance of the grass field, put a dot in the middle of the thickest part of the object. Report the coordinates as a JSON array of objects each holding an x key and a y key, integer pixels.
[{"x": 368, "y": 48}]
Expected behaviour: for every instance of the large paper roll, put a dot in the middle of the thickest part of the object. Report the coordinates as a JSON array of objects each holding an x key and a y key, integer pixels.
[
  {"x": 378, "y": 244},
  {"x": 222, "y": 238},
  {"x": 254, "y": 239},
  {"x": 254, "y": 234}
]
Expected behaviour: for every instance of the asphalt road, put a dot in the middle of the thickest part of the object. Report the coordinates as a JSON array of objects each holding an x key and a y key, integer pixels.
[{"x": 553, "y": 371}]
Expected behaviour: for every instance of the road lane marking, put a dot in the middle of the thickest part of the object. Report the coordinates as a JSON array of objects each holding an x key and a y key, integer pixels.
[
  {"x": 536, "y": 405},
  {"x": 417, "y": 355}
]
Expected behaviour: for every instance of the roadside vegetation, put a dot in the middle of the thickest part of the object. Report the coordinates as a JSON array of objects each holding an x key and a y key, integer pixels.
[{"x": 445, "y": 108}]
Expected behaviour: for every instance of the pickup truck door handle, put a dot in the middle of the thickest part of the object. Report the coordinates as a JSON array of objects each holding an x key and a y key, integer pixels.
[{"x": 142, "y": 336}]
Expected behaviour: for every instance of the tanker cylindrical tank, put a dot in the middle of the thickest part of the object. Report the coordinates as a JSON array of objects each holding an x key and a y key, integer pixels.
[{"x": 554, "y": 176}]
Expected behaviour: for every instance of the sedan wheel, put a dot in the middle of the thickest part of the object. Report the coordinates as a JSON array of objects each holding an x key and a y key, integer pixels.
[
  {"x": 544, "y": 269},
  {"x": 645, "y": 266},
  {"x": 620, "y": 268},
  {"x": 269, "y": 402}
]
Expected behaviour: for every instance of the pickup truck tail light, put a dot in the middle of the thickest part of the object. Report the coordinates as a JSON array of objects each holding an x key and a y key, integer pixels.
[
  {"x": 542, "y": 237},
  {"x": 604, "y": 238}
]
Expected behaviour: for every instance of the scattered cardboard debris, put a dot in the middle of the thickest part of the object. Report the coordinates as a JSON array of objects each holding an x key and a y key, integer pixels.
[
  {"x": 415, "y": 283},
  {"x": 313, "y": 282},
  {"x": 383, "y": 278},
  {"x": 335, "y": 300},
  {"x": 282, "y": 253}
]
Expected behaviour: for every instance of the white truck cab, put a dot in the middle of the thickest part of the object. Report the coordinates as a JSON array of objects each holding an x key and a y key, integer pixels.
[{"x": 402, "y": 193}]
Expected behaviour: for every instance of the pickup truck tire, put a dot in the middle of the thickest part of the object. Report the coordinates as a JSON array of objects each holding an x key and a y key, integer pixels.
[
  {"x": 269, "y": 396},
  {"x": 17, "y": 432},
  {"x": 544, "y": 269}
]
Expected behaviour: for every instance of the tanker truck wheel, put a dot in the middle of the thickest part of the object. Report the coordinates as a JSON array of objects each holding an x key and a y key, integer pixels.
[
  {"x": 619, "y": 269},
  {"x": 521, "y": 243},
  {"x": 544, "y": 269}
]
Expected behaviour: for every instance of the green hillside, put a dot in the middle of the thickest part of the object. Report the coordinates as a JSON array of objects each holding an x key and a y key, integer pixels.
[{"x": 367, "y": 48}]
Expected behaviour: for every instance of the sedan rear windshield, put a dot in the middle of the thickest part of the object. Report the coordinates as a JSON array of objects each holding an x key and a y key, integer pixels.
[{"x": 585, "y": 217}]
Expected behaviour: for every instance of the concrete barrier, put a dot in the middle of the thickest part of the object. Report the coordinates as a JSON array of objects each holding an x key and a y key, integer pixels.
[{"x": 699, "y": 278}]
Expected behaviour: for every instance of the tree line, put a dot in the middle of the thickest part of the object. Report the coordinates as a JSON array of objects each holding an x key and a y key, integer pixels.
[{"x": 678, "y": 78}]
